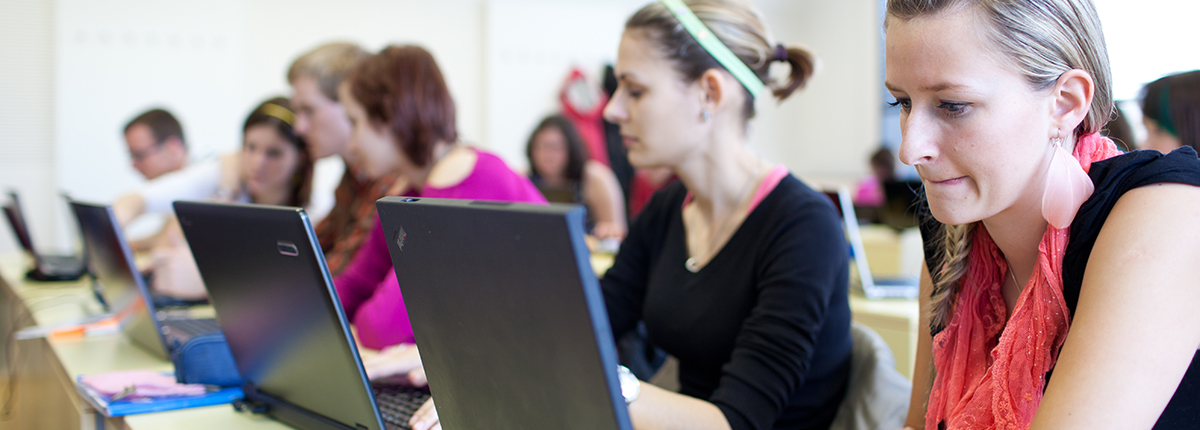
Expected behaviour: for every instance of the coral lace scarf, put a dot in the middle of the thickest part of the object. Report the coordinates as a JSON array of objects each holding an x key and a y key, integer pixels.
[{"x": 991, "y": 374}]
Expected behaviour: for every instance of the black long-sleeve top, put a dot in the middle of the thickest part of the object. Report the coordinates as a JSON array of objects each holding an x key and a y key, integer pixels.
[{"x": 763, "y": 330}]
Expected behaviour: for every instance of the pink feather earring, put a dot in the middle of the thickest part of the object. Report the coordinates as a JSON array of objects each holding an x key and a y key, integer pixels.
[{"x": 1067, "y": 187}]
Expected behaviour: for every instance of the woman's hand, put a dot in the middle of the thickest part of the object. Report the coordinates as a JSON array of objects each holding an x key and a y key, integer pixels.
[
  {"x": 397, "y": 360},
  {"x": 609, "y": 230},
  {"x": 426, "y": 418}
]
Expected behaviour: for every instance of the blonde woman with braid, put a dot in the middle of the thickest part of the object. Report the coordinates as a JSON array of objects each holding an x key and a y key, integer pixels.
[
  {"x": 740, "y": 270},
  {"x": 1060, "y": 282}
]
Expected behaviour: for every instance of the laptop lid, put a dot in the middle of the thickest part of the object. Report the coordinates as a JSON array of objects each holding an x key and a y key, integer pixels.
[
  {"x": 16, "y": 220},
  {"x": 275, "y": 302},
  {"x": 507, "y": 312},
  {"x": 121, "y": 285},
  {"x": 898, "y": 288}
]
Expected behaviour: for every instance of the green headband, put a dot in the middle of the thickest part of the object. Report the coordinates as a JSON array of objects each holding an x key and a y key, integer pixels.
[{"x": 715, "y": 47}]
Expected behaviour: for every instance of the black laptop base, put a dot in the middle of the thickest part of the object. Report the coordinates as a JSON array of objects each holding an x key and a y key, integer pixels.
[
  {"x": 396, "y": 404},
  {"x": 36, "y": 274}
]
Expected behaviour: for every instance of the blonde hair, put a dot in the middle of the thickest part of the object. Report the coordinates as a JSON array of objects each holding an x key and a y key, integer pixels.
[
  {"x": 1043, "y": 39},
  {"x": 329, "y": 64},
  {"x": 740, "y": 27}
]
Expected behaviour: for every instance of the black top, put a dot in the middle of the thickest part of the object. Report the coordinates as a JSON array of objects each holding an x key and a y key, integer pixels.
[
  {"x": 763, "y": 330},
  {"x": 1113, "y": 178}
]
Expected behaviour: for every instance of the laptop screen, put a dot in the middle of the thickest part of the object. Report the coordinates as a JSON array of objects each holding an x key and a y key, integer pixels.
[
  {"x": 122, "y": 287},
  {"x": 507, "y": 312},
  {"x": 16, "y": 220},
  {"x": 267, "y": 280}
]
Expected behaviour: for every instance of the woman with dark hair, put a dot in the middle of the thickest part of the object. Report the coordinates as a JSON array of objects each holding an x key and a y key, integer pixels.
[
  {"x": 1171, "y": 112},
  {"x": 559, "y": 166},
  {"x": 404, "y": 125},
  {"x": 273, "y": 168},
  {"x": 739, "y": 270}
]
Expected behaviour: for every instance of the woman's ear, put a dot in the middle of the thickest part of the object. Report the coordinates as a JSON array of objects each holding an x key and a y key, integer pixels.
[
  {"x": 1072, "y": 99},
  {"x": 712, "y": 89}
]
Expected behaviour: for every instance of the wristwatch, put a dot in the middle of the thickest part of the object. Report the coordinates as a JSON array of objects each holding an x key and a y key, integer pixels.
[{"x": 630, "y": 385}]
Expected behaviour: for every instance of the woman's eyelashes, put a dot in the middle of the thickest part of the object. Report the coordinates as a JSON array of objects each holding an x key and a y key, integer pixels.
[
  {"x": 955, "y": 109},
  {"x": 903, "y": 103},
  {"x": 951, "y": 109}
]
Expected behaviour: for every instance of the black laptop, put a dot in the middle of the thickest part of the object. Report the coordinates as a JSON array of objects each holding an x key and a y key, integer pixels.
[
  {"x": 46, "y": 267},
  {"x": 275, "y": 301},
  {"x": 507, "y": 312},
  {"x": 124, "y": 289}
]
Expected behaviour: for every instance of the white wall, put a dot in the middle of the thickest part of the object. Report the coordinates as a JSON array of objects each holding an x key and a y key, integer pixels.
[
  {"x": 1148, "y": 39},
  {"x": 826, "y": 132},
  {"x": 530, "y": 48},
  {"x": 211, "y": 62},
  {"x": 26, "y": 114},
  {"x": 76, "y": 70}
]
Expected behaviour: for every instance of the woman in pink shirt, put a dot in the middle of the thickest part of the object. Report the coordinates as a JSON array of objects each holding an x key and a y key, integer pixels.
[{"x": 403, "y": 124}]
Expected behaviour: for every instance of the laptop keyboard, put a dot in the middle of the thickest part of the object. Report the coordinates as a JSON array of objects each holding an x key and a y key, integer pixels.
[
  {"x": 62, "y": 262},
  {"x": 397, "y": 404},
  {"x": 191, "y": 328}
]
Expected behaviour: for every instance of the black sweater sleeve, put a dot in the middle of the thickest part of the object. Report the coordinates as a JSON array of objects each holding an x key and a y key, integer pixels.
[
  {"x": 624, "y": 285},
  {"x": 802, "y": 272}
]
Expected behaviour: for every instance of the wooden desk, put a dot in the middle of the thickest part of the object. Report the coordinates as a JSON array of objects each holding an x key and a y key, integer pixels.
[{"x": 43, "y": 371}]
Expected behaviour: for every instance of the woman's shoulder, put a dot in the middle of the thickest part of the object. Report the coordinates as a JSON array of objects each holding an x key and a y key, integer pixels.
[
  {"x": 793, "y": 198},
  {"x": 1116, "y": 176},
  {"x": 1115, "y": 179},
  {"x": 491, "y": 178}
]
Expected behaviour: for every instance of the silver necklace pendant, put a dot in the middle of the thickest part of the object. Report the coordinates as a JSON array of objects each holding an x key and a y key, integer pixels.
[{"x": 690, "y": 263}]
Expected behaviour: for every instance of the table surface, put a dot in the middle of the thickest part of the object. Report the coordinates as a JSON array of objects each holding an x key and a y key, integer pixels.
[
  {"x": 59, "y": 302},
  {"x": 62, "y": 302}
]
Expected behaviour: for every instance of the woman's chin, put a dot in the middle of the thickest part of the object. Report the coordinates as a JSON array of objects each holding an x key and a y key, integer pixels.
[{"x": 946, "y": 215}]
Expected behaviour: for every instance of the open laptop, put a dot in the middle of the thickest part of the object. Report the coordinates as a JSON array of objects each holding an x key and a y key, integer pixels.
[
  {"x": 507, "y": 312},
  {"x": 46, "y": 267},
  {"x": 275, "y": 301},
  {"x": 124, "y": 289},
  {"x": 873, "y": 287}
]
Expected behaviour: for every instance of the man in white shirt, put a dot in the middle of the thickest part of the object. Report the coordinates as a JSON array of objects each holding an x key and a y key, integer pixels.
[{"x": 156, "y": 144}]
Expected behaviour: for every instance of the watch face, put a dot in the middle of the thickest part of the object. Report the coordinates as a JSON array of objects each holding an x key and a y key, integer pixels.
[{"x": 630, "y": 386}]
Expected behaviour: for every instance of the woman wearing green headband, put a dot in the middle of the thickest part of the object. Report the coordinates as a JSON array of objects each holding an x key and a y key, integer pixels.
[
  {"x": 1171, "y": 112},
  {"x": 739, "y": 271}
]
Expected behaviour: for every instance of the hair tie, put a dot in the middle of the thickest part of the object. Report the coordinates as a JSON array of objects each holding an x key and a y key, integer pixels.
[{"x": 781, "y": 53}]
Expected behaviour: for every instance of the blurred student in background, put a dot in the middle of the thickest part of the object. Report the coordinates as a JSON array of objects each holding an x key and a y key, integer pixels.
[
  {"x": 560, "y": 167},
  {"x": 739, "y": 270},
  {"x": 869, "y": 191},
  {"x": 1171, "y": 112},
  {"x": 321, "y": 120},
  {"x": 404, "y": 127},
  {"x": 156, "y": 143},
  {"x": 221, "y": 176},
  {"x": 273, "y": 168},
  {"x": 156, "y": 147}
]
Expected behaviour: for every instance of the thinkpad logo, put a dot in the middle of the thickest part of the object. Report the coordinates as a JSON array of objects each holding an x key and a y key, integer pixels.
[{"x": 398, "y": 237}]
